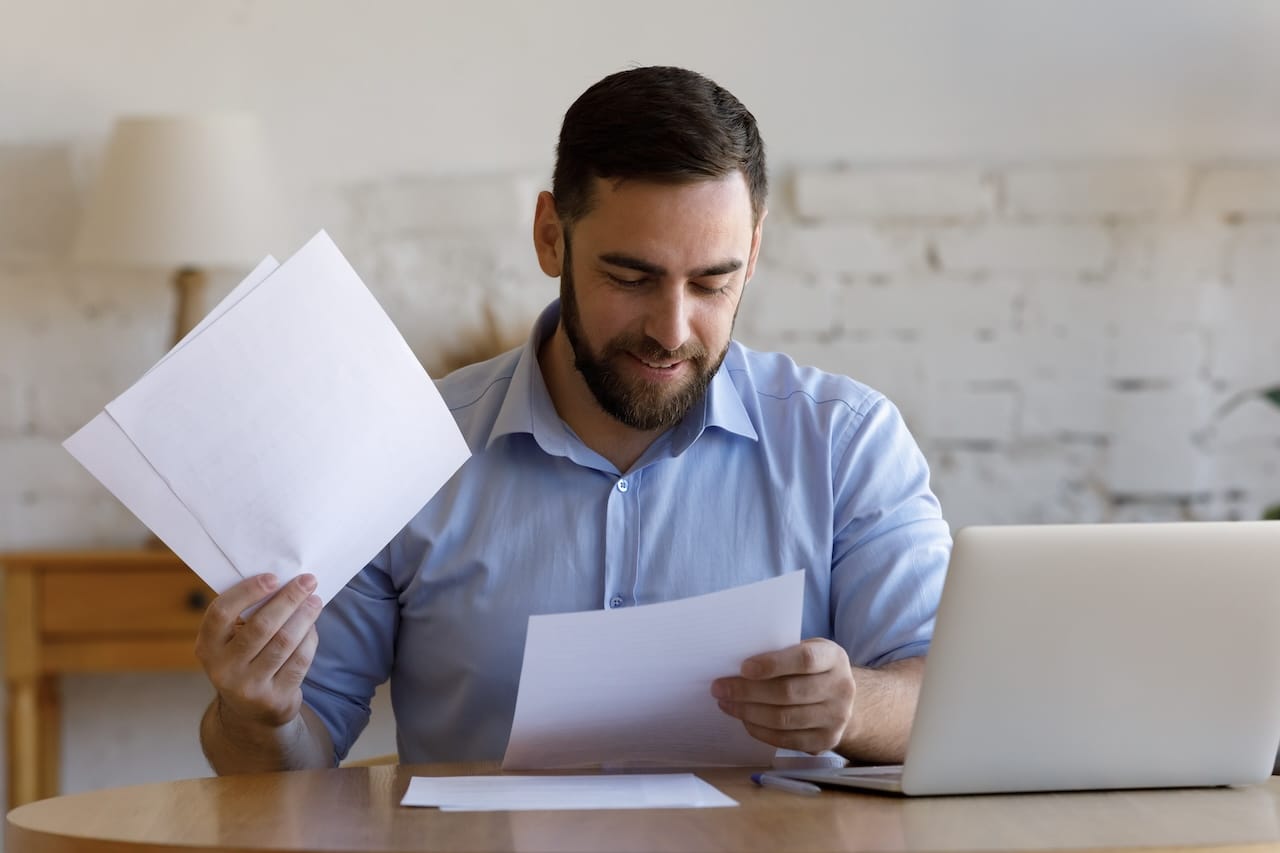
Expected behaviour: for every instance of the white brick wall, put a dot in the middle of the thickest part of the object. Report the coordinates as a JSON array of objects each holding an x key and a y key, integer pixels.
[
  {"x": 1020, "y": 248},
  {"x": 1248, "y": 189},
  {"x": 1084, "y": 314},
  {"x": 1090, "y": 192},
  {"x": 893, "y": 194}
]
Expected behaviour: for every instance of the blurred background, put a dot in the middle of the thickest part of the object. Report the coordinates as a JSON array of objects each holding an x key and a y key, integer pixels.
[{"x": 1050, "y": 231}]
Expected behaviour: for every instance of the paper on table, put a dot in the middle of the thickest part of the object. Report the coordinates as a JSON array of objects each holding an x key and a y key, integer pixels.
[
  {"x": 621, "y": 688},
  {"x": 295, "y": 427},
  {"x": 523, "y": 793},
  {"x": 107, "y": 453}
]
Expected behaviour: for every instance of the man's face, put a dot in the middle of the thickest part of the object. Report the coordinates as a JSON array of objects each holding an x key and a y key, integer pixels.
[{"x": 650, "y": 286}]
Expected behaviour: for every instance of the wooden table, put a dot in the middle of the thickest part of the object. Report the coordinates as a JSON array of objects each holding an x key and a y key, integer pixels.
[
  {"x": 86, "y": 612},
  {"x": 357, "y": 809}
]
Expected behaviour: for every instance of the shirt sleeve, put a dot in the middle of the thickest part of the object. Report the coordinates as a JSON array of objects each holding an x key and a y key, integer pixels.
[
  {"x": 356, "y": 651},
  {"x": 890, "y": 547}
]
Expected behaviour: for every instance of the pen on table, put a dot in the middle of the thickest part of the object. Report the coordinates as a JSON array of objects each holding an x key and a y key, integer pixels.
[{"x": 782, "y": 783}]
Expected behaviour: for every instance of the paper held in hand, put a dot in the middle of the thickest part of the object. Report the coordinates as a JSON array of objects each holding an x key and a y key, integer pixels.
[
  {"x": 632, "y": 687},
  {"x": 292, "y": 431}
]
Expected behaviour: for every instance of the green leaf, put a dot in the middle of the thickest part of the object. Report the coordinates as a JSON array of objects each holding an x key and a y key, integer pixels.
[
  {"x": 1271, "y": 513},
  {"x": 1273, "y": 394}
]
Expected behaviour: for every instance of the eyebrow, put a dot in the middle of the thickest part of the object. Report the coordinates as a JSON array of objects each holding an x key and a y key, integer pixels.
[{"x": 616, "y": 259}]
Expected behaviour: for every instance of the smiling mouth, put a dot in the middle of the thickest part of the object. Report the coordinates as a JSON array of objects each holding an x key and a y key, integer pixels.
[{"x": 667, "y": 366}]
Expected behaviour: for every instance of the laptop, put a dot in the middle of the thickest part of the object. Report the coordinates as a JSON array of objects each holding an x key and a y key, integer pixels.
[{"x": 1094, "y": 657}]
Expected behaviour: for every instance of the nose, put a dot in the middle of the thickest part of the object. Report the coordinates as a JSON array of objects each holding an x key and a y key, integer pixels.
[{"x": 667, "y": 321}]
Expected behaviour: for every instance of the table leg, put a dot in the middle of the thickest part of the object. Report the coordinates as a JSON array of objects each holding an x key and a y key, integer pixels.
[
  {"x": 25, "y": 740},
  {"x": 50, "y": 736}
]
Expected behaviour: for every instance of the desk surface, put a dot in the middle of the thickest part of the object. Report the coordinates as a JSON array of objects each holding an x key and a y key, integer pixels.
[{"x": 357, "y": 809}]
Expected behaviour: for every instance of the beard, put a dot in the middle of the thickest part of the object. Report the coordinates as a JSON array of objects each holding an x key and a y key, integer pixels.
[{"x": 638, "y": 404}]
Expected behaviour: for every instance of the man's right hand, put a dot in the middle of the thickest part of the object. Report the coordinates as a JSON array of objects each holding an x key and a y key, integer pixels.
[{"x": 257, "y": 664}]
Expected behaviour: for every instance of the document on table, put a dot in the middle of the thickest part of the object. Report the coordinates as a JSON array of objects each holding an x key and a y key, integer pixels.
[
  {"x": 292, "y": 431},
  {"x": 632, "y": 688},
  {"x": 524, "y": 793}
]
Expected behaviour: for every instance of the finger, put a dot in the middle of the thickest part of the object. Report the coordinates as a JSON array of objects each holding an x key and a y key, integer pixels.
[
  {"x": 783, "y": 717},
  {"x": 811, "y": 656},
  {"x": 293, "y": 670},
  {"x": 258, "y": 629},
  {"x": 785, "y": 690},
  {"x": 811, "y": 741},
  {"x": 286, "y": 639},
  {"x": 220, "y": 618}
]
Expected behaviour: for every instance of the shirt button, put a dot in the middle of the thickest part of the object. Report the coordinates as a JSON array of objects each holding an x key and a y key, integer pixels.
[
  {"x": 616, "y": 601},
  {"x": 623, "y": 485}
]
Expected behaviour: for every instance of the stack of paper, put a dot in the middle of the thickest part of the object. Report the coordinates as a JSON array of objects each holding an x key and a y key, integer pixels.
[
  {"x": 292, "y": 431},
  {"x": 525, "y": 793}
]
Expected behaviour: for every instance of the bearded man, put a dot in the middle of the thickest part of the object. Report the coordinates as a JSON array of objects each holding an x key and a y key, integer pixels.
[{"x": 630, "y": 452}]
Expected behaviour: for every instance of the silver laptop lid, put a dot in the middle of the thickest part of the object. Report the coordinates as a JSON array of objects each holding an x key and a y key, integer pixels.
[{"x": 1071, "y": 657}]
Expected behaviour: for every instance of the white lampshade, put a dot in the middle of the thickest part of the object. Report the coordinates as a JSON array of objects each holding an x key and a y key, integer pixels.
[{"x": 182, "y": 191}]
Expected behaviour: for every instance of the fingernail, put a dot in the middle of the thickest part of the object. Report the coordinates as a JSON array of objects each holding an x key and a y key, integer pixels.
[
  {"x": 752, "y": 669},
  {"x": 270, "y": 581},
  {"x": 314, "y": 601},
  {"x": 308, "y": 582},
  {"x": 718, "y": 690}
]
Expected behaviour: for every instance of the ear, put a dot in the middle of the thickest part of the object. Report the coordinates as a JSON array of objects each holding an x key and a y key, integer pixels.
[
  {"x": 756, "y": 236},
  {"x": 548, "y": 235}
]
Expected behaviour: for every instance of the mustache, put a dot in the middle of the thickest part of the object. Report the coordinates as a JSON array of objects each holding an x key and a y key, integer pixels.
[{"x": 648, "y": 349}]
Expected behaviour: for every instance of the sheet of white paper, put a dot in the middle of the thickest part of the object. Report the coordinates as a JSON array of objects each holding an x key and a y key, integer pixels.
[
  {"x": 631, "y": 687},
  {"x": 523, "y": 793},
  {"x": 297, "y": 427},
  {"x": 260, "y": 273},
  {"x": 108, "y": 454}
]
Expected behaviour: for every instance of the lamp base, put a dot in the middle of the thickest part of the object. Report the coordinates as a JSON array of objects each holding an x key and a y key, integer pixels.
[{"x": 191, "y": 284}]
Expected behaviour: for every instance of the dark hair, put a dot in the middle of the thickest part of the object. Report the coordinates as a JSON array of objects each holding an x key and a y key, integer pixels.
[{"x": 656, "y": 123}]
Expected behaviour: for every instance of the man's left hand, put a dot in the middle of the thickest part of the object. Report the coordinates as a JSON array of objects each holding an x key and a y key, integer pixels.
[{"x": 799, "y": 698}]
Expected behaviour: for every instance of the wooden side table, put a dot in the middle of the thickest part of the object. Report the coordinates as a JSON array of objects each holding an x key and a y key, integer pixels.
[{"x": 86, "y": 612}]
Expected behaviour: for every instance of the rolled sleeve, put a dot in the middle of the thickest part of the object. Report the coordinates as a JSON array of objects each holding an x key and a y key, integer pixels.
[
  {"x": 355, "y": 654},
  {"x": 890, "y": 546}
]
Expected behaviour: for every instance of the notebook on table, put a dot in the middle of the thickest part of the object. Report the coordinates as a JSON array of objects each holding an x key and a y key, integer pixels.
[{"x": 1094, "y": 657}]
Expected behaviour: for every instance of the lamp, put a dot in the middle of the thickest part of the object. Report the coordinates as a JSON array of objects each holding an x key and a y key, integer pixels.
[{"x": 185, "y": 193}]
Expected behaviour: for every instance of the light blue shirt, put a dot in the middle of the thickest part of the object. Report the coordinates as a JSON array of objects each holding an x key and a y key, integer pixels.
[{"x": 779, "y": 467}]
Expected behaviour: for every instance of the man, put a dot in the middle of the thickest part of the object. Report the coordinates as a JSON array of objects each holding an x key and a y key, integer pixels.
[{"x": 629, "y": 453}]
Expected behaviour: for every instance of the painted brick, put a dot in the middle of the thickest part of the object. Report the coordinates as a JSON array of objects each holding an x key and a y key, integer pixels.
[
  {"x": 1187, "y": 253},
  {"x": 956, "y": 357},
  {"x": 914, "y": 194},
  {"x": 1064, "y": 331},
  {"x": 1120, "y": 190},
  {"x": 1029, "y": 483},
  {"x": 1244, "y": 348},
  {"x": 1249, "y": 468},
  {"x": 1238, "y": 189},
  {"x": 1249, "y": 420},
  {"x": 935, "y": 305},
  {"x": 1254, "y": 254},
  {"x": 445, "y": 204},
  {"x": 1081, "y": 249},
  {"x": 962, "y": 415},
  {"x": 829, "y": 249},
  {"x": 1065, "y": 409},
  {"x": 13, "y": 405},
  {"x": 1152, "y": 451},
  {"x": 782, "y": 301},
  {"x": 1168, "y": 356},
  {"x": 39, "y": 205}
]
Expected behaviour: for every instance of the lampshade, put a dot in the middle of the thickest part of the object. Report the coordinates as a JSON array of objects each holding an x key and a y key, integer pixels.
[{"x": 181, "y": 191}]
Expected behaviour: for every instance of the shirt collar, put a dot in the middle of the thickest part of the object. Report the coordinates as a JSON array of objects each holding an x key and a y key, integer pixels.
[{"x": 527, "y": 407}]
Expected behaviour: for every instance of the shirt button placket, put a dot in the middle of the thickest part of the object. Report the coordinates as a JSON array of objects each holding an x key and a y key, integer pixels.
[{"x": 616, "y": 571}]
